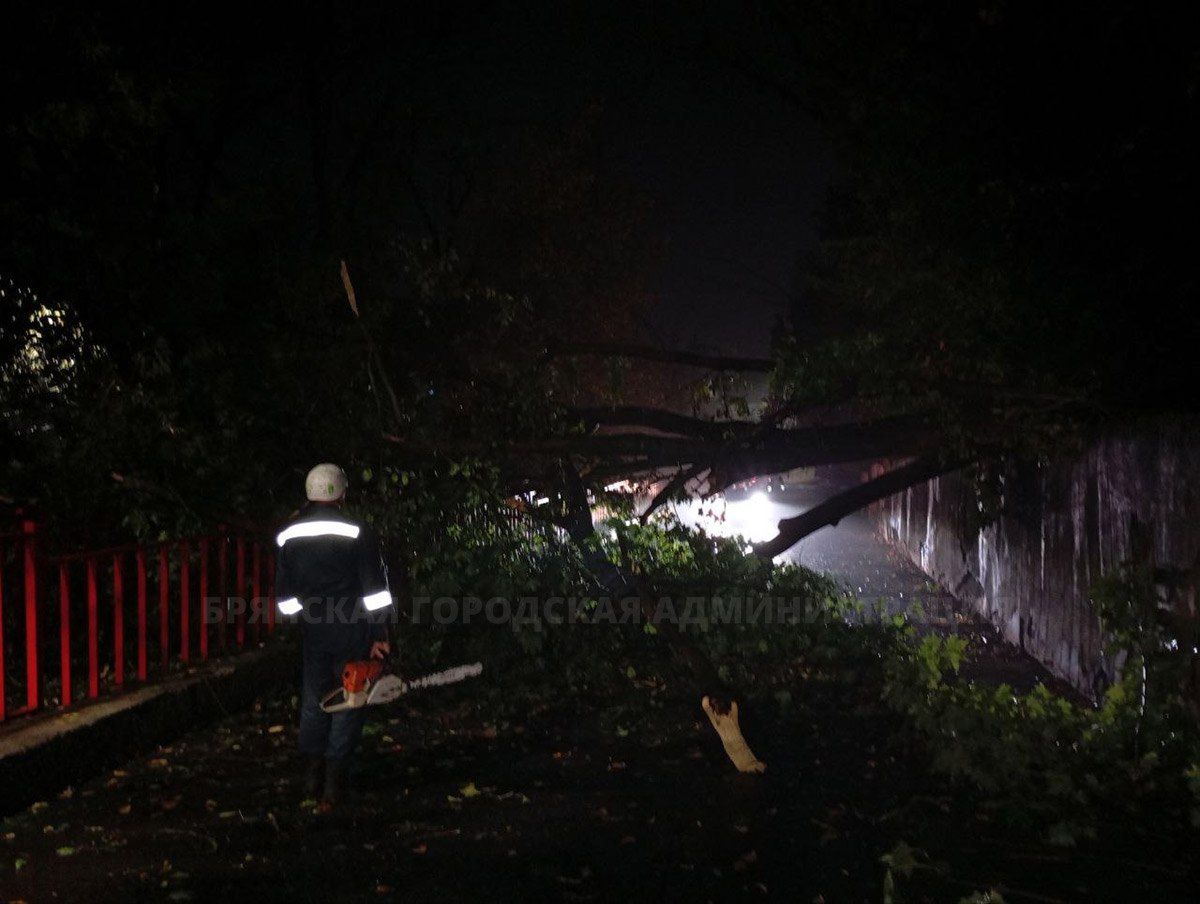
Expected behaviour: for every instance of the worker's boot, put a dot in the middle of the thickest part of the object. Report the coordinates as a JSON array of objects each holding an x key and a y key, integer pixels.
[
  {"x": 314, "y": 776},
  {"x": 336, "y": 780}
]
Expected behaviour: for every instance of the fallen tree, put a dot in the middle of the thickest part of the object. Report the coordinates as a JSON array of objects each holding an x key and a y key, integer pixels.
[{"x": 569, "y": 454}]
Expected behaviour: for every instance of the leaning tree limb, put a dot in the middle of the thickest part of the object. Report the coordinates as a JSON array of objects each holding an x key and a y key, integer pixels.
[
  {"x": 773, "y": 452},
  {"x": 378, "y": 372},
  {"x": 664, "y": 355},
  {"x": 673, "y": 486},
  {"x": 834, "y": 509},
  {"x": 804, "y": 446},
  {"x": 760, "y": 452},
  {"x": 639, "y": 417}
]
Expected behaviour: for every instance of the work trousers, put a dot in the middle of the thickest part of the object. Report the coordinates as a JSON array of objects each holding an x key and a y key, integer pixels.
[{"x": 332, "y": 735}]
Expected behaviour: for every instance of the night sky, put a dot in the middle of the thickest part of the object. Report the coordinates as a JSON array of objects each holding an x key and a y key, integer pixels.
[{"x": 733, "y": 176}]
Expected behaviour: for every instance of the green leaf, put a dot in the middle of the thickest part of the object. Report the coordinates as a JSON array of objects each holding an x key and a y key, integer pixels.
[
  {"x": 901, "y": 858},
  {"x": 1062, "y": 834}
]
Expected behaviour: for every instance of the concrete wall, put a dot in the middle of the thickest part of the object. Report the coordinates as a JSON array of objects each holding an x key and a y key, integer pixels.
[{"x": 1066, "y": 524}]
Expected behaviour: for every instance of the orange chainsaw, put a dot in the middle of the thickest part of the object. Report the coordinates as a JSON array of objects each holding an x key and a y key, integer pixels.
[{"x": 365, "y": 684}]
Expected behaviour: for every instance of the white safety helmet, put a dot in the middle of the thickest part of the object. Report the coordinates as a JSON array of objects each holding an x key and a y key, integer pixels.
[{"x": 325, "y": 483}]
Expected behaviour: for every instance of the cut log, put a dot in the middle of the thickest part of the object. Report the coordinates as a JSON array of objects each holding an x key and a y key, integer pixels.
[{"x": 727, "y": 728}]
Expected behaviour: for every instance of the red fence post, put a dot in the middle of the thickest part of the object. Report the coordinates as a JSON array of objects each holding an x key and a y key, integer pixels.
[
  {"x": 118, "y": 621},
  {"x": 223, "y": 575},
  {"x": 204, "y": 607},
  {"x": 93, "y": 631},
  {"x": 140, "y": 556},
  {"x": 241, "y": 589},
  {"x": 3, "y": 690},
  {"x": 32, "y": 674},
  {"x": 256, "y": 592},
  {"x": 64, "y": 633},
  {"x": 271, "y": 592},
  {"x": 164, "y": 596},
  {"x": 185, "y": 573},
  {"x": 255, "y": 597}
]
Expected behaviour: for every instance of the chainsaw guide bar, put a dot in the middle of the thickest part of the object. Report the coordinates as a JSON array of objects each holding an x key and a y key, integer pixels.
[{"x": 364, "y": 684}]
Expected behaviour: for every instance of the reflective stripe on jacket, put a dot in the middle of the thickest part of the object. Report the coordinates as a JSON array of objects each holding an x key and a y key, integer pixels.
[{"x": 329, "y": 568}]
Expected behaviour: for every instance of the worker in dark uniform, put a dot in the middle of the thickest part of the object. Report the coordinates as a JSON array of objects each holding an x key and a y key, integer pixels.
[{"x": 331, "y": 578}]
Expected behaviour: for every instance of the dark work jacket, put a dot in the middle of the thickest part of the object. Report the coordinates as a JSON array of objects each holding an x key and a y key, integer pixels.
[{"x": 330, "y": 574}]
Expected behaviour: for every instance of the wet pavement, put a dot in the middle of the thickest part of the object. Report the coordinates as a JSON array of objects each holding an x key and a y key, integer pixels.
[
  {"x": 851, "y": 553},
  {"x": 877, "y": 574},
  {"x": 883, "y": 579}
]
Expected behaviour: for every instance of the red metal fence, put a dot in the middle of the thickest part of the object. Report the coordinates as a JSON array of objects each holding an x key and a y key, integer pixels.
[{"x": 124, "y": 614}]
